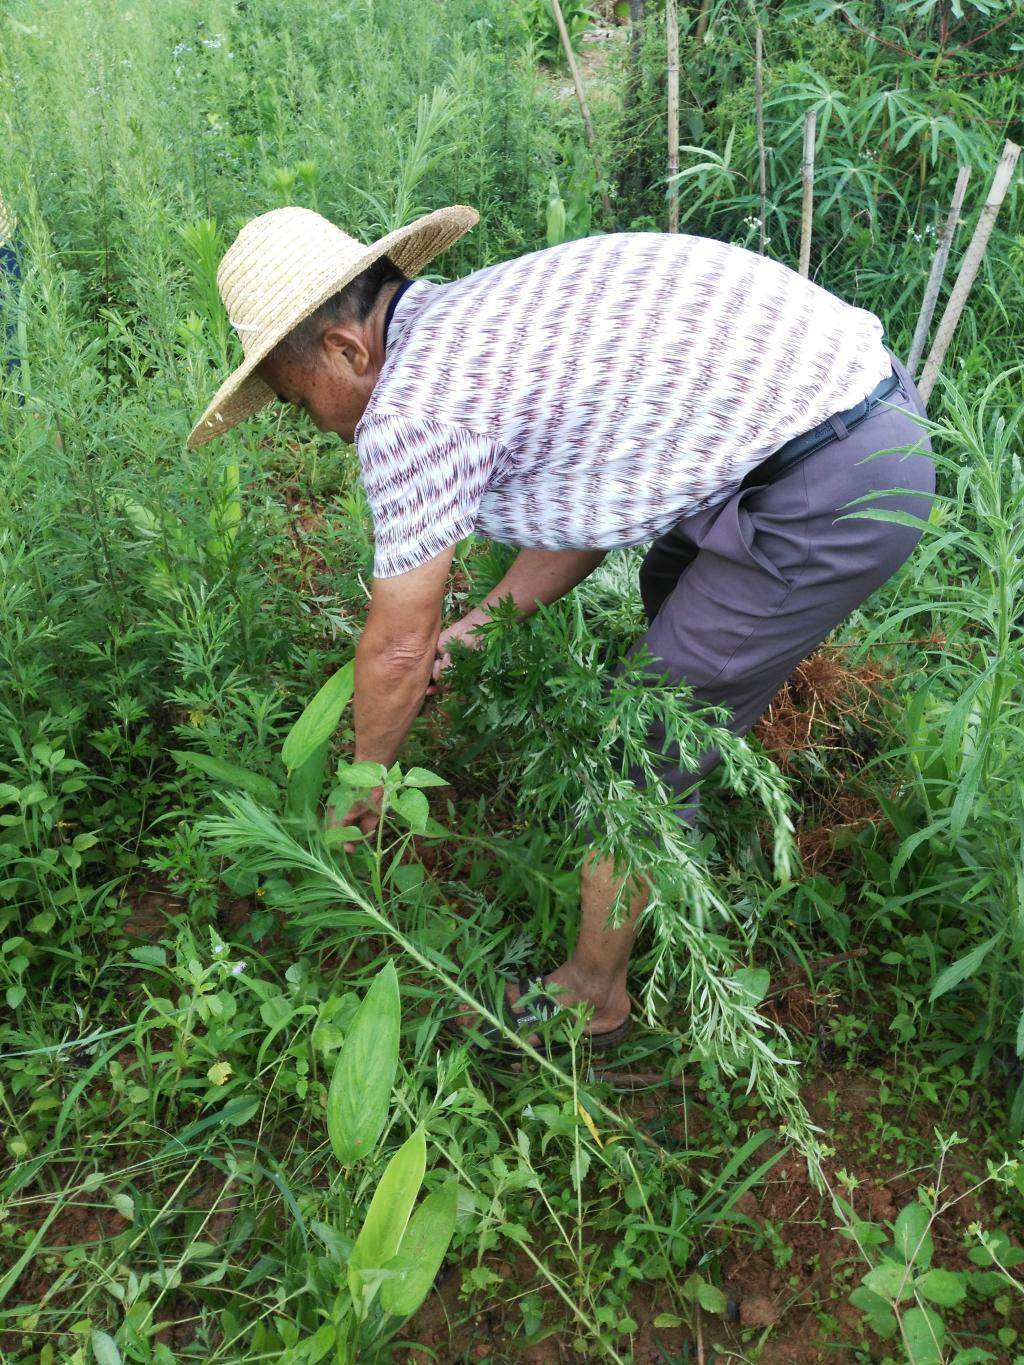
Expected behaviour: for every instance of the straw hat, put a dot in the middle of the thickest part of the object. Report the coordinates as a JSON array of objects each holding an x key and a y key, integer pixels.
[{"x": 281, "y": 267}]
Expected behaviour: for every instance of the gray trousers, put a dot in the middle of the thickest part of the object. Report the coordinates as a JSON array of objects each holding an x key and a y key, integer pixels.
[{"x": 737, "y": 595}]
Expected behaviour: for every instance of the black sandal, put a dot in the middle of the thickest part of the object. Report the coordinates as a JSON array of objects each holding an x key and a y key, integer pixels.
[{"x": 541, "y": 1008}]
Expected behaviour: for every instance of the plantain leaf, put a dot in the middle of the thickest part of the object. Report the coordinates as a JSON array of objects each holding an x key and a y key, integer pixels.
[
  {"x": 306, "y": 782},
  {"x": 388, "y": 1214},
  {"x": 360, "y": 1089},
  {"x": 421, "y": 1252},
  {"x": 320, "y": 718}
]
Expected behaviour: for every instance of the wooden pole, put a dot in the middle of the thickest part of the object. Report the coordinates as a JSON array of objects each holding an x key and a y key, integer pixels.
[
  {"x": 931, "y": 293},
  {"x": 762, "y": 177},
  {"x": 672, "y": 43},
  {"x": 630, "y": 177},
  {"x": 581, "y": 99},
  {"x": 969, "y": 268},
  {"x": 810, "y": 127},
  {"x": 702, "y": 20}
]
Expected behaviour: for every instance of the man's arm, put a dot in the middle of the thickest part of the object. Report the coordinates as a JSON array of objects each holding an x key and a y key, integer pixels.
[
  {"x": 534, "y": 578},
  {"x": 394, "y": 657},
  {"x": 539, "y": 577}
]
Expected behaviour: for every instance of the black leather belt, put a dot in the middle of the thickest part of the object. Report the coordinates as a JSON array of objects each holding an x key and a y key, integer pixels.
[{"x": 833, "y": 428}]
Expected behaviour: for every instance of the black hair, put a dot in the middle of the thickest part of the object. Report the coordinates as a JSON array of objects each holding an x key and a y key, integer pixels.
[{"x": 354, "y": 303}]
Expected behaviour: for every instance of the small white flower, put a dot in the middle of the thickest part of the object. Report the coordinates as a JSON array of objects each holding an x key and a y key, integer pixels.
[{"x": 219, "y": 948}]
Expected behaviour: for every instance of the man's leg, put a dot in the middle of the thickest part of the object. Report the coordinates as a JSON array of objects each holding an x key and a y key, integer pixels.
[
  {"x": 774, "y": 571},
  {"x": 596, "y": 969}
]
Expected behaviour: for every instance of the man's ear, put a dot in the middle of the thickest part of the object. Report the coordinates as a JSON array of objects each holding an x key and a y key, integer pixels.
[{"x": 343, "y": 341}]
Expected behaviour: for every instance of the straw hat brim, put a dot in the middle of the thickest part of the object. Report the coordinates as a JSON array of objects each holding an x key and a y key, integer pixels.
[{"x": 412, "y": 247}]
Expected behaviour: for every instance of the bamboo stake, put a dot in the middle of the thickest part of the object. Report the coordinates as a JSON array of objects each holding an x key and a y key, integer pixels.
[
  {"x": 931, "y": 293},
  {"x": 630, "y": 179},
  {"x": 762, "y": 177},
  {"x": 810, "y": 128},
  {"x": 581, "y": 99},
  {"x": 672, "y": 42},
  {"x": 969, "y": 267}
]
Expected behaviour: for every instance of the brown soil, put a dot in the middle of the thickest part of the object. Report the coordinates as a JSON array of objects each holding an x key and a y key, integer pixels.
[
  {"x": 832, "y": 707},
  {"x": 787, "y": 1276},
  {"x": 152, "y": 905}
]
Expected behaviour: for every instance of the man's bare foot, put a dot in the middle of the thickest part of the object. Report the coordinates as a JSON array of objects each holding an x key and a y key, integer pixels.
[{"x": 567, "y": 987}]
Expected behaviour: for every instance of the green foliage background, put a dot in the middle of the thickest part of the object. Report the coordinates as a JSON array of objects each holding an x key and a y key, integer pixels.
[{"x": 175, "y": 1005}]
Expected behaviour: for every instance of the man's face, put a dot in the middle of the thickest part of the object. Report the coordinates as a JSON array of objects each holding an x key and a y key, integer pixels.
[{"x": 335, "y": 387}]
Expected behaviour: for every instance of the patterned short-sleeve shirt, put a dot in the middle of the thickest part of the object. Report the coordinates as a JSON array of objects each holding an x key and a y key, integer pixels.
[{"x": 590, "y": 395}]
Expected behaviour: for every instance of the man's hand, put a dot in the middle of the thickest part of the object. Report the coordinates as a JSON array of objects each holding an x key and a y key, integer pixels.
[
  {"x": 365, "y": 813},
  {"x": 462, "y": 632},
  {"x": 394, "y": 657},
  {"x": 535, "y": 578}
]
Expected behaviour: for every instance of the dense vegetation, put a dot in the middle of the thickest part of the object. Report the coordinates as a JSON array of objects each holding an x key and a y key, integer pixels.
[{"x": 807, "y": 1151}]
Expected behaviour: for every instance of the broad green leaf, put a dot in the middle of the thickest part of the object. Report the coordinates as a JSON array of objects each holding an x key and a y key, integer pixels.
[
  {"x": 1001, "y": 1251},
  {"x": 360, "y": 1091},
  {"x": 361, "y": 775},
  {"x": 124, "y": 1204},
  {"x": 318, "y": 1346},
  {"x": 420, "y": 777},
  {"x": 709, "y": 1296},
  {"x": 889, "y": 1280},
  {"x": 104, "y": 1348},
  {"x": 924, "y": 1333},
  {"x": 421, "y": 1252},
  {"x": 753, "y": 982},
  {"x": 141, "y": 517},
  {"x": 911, "y": 1236},
  {"x": 877, "y": 1313},
  {"x": 864, "y": 1234},
  {"x": 320, "y": 718},
  {"x": 388, "y": 1214},
  {"x": 231, "y": 773},
  {"x": 151, "y": 954},
  {"x": 943, "y": 1287},
  {"x": 306, "y": 782},
  {"x": 412, "y": 806},
  {"x": 963, "y": 967}
]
